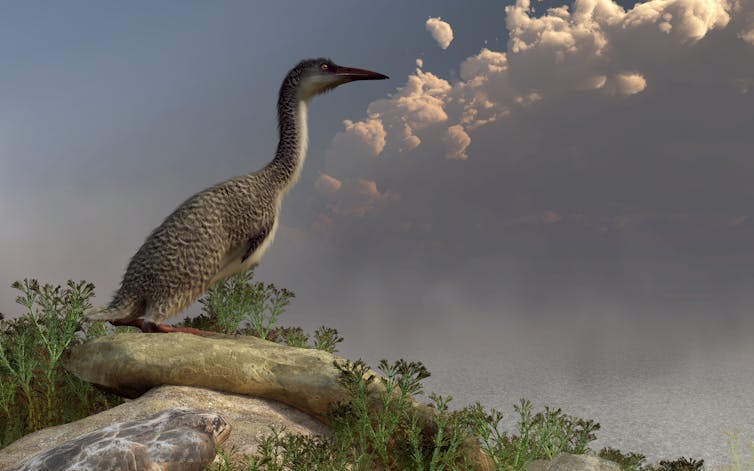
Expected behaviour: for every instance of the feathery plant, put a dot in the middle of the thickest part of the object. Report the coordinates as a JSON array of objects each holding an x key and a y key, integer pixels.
[
  {"x": 35, "y": 390},
  {"x": 326, "y": 338},
  {"x": 239, "y": 302},
  {"x": 240, "y": 306},
  {"x": 376, "y": 427},
  {"x": 543, "y": 435}
]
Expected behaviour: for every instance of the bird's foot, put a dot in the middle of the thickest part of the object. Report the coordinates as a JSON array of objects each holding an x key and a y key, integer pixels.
[{"x": 151, "y": 327}]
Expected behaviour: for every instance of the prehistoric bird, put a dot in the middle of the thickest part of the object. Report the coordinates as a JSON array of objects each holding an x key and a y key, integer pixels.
[{"x": 226, "y": 228}]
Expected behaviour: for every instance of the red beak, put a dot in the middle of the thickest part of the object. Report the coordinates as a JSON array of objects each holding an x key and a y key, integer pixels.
[{"x": 351, "y": 73}]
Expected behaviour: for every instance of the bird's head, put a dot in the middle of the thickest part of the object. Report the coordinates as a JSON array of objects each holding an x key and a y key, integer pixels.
[{"x": 314, "y": 76}]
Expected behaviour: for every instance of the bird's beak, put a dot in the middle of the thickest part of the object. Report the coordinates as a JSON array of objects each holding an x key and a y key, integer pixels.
[{"x": 351, "y": 74}]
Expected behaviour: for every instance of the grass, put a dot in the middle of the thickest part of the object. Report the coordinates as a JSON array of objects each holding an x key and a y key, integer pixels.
[
  {"x": 240, "y": 306},
  {"x": 35, "y": 390},
  {"x": 367, "y": 432}
]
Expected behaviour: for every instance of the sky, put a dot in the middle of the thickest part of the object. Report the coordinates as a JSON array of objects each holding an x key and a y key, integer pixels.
[{"x": 571, "y": 175}]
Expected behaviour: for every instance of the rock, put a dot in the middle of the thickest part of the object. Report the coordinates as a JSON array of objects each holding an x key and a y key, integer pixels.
[
  {"x": 538, "y": 465},
  {"x": 131, "y": 364},
  {"x": 306, "y": 379},
  {"x": 249, "y": 417},
  {"x": 569, "y": 462},
  {"x": 175, "y": 439}
]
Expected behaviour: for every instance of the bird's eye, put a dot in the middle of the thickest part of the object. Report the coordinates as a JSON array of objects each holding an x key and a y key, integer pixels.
[{"x": 323, "y": 66}]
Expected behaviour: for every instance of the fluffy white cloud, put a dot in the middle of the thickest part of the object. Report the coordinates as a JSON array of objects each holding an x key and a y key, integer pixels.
[
  {"x": 357, "y": 144},
  {"x": 624, "y": 84},
  {"x": 353, "y": 197},
  {"x": 358, "y": 197},
  {"x": 747, "y": 31},
  {"x": 747, "y": 35},
  {"x": 440, "y": 31},
  {"x": 744, "y": 12},
  {"x": 592, "y": 45},
  {"x": 419, "y": 103},
  {"x": 327, "y": 185},
  {"x": 369, "y": 132},
  {"x": 456, "y": 141}
]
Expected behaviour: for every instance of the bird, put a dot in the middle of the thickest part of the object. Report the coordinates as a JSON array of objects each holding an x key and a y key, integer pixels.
[{"x": 224, "y": 229}]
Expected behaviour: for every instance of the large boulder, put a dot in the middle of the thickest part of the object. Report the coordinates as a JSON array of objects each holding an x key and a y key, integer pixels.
[
  {"x": 249, "y": 418},
  {"x": 174, "y": 439},
  {"x": 131, "y": 364},
  {"x": 306, "y": 379},
  {"x": 569, "y": 462}
]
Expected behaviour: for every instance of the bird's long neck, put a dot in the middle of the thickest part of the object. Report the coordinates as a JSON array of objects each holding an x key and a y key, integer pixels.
[{"x": 285, "y": 168}]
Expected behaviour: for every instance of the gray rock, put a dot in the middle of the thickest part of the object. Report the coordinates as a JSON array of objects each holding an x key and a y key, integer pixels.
[
  {"x": 538, "y": 465},
  {"x": 249, "y": 418},
  {"x": 306, "y": 379},
  {"x": 569, "y": 462},
  {"x": 175, "y": 439}
]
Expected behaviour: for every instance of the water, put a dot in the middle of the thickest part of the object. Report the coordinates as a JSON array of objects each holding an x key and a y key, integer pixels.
[{"x": 664, "y": 392}]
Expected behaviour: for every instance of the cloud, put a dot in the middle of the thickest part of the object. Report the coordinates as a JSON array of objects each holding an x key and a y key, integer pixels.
[
  {"x": 748, "y": 35},
  {"x": 595, "y": 45},
  {"x": 619, "y": 222},
  {"x": 456, "y": 141},
  {"x": 591, "y": 46},
  {"x": 327, "y": 185},
  {"x": 551, "y": 217},
  {"x": 323, "y": 226},
  {"x": 739, "y": 220},
  {"x": 358, "y": 197},
  {"x": 350, "y": 198},
  {"x": 440, "y": 31},
  {"x": 362, "y": 137},
  {"x": 581, "y": 48},
  {"x": 624, "y": 84},
  {"x": 746, "y": 10},
  {"x": 418, "y": 104},
  {"x": 358, "y": 142}
]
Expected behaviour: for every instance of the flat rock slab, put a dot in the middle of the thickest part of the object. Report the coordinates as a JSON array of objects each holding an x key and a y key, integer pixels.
[
  {"x": 175, "y": 439},
  {"x": 569, "y": 462},
  {"x": 130, "y": 364},
  {"x": 248, "y": 417}
]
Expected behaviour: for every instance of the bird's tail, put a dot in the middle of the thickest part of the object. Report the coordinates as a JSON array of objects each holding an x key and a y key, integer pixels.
[{"x": 117, "y": 310}]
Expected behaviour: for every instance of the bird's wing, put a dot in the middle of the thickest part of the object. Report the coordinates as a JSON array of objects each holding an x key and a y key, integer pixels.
[
  {"x": 255, "y": 241},
  {"x": 237, "y": 258}
]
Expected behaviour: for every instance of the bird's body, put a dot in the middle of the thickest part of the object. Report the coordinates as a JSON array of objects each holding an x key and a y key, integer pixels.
[{"x": 226, "y": 228}]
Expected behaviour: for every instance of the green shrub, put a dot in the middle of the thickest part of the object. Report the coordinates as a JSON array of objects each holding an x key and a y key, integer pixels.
[
  {"x": 371, "y": 430},
  {"x": 35, "y": 390},
  {"x": 240, "y": 306},
  {"x": 543, "y": 435},
  {"x": 627, "y": 461}
]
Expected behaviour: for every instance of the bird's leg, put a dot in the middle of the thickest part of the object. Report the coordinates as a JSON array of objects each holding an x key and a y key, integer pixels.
[
  {"x": 138, "y": 323},
  {"x": 151, "y": 327}
]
